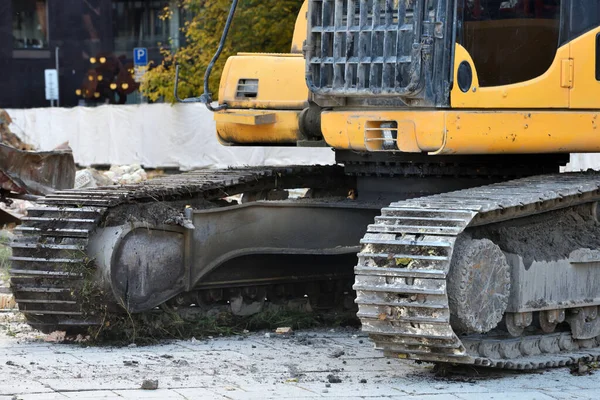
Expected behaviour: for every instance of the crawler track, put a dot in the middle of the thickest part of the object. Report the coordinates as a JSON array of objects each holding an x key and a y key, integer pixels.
[
  {"x": 402, "y": 270},
  {"x": 50, "y": 264}
]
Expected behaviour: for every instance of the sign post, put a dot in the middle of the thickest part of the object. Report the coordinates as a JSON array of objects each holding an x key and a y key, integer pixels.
[
  {"x": 140, "y": 63},
  {"x": 51, "y": 80}
]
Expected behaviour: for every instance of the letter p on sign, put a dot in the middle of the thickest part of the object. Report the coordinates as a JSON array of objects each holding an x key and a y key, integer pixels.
[{"x": 140, "y": 56}]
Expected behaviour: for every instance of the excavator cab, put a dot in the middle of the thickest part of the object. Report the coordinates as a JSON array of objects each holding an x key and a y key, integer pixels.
[{"x": 413, "y": 72}]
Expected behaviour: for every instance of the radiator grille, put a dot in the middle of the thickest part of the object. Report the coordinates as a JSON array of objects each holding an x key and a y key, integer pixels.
[
  {"x": 362, "y": 47},
  {"x": 247, "y": 88}
]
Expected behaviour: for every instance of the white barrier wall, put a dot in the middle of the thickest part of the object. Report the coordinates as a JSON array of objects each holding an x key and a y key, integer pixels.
[
  {"x": 153, "y": 135},
  {"x": 162, "y": 135},
  {"x": 583, "y": 162}
]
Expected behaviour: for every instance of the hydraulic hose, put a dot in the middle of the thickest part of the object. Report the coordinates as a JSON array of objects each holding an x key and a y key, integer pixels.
[{"x": 206, "y": 97}]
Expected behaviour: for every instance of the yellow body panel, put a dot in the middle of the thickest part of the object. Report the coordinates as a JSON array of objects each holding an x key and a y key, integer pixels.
[
  {"x": 248, "y": 117},
  {"x": 235, "y": 126},
  {"x": 470, "y": 132},
  {"x": 521, "y": 132},
  {"x": 301, "y": 29},
  {"x": 416, "y": 129},
  {"x": 586, "y": 89},
  {"x": 281, "y": 83},
  {"x": 544, "y": 91}
]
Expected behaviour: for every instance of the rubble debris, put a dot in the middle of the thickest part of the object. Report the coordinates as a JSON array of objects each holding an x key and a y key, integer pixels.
[
  {"x": 81, "y": 339},
  {"x": 7, "y": 302},
  {"x": 150, "y": 384},
  {"x": 90, "y": 177},
  {"x": 56, "y": 337},
  {"x": 117, "y": 175},
  {"x": 126, "y": 174},
  {"x": 284, "y": 330},
  {"x": 9, "y": 138},
  {"x": 333, "y": 378},
  {"x": 337, "y": 354},
  {"x": 584, "y": 368},
  {"x": 17, "y": 208},
  {"x": 130, "y": 363}
]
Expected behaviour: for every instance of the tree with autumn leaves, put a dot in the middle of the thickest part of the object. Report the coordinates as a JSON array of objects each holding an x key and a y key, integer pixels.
[{"x": 264, "y": 26}]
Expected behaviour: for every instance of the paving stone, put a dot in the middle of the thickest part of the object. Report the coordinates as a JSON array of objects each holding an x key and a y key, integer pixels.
[
  {"x": 22, "y": 386},
  {"x": 98, "y": 383},
  {"x": 199, "y": 394},
  {"x": 91, "y": 394},
  {"x": 43, "y": 396},
  {"x": 38, "y": 358},
  {"x": 445, "y": 396},
  {"x": 581, "y": 394},
  {"x": 266, "y": 391},
  {"x": 346, "y": 389},
  {"x": 167, "y": 394},
  {"x": 506, "y": 396},
  {"x": 187, "y": 379}
]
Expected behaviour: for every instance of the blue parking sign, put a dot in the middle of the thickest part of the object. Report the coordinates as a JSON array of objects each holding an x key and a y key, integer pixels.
[{"x": 140, "y": 56}]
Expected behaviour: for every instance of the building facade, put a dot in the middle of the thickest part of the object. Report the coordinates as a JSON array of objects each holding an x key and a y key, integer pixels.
[{"x": 91, "y": 42}]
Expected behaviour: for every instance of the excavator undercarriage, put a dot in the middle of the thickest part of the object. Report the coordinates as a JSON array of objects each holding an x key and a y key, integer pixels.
[{"x": 449, "y": 277}]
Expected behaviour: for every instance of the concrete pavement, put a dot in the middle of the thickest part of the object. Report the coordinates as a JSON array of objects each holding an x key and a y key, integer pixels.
[{"x": 340, "y": 364}]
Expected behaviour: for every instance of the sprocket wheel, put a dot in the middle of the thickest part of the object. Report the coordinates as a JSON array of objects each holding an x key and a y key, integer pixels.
[{"x": 478, "y": 285}]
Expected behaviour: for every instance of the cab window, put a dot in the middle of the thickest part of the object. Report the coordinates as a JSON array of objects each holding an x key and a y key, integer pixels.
[{"x": 511, "y": 41}]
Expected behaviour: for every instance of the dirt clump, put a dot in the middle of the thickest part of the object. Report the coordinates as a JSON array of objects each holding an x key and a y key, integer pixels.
[
  {"x": 547, "y": 237},
  {"x": 150, "y": 384}
]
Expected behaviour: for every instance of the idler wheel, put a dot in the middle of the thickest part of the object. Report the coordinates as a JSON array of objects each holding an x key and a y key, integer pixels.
[{"x": 478, "y": 285}]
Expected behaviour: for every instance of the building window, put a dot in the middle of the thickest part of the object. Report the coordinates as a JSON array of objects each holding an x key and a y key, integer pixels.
[
  {"x": 30, "y": 24},
  {"x": 139, "y": 24}
]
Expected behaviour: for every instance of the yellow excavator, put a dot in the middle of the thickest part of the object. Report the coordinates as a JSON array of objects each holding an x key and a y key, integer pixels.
[{"x": 450, "y": 121}]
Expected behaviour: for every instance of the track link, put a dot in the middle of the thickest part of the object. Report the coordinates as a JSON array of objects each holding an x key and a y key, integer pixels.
[
  {"x": 50, "y": 264},
  {"x": 405, "y": 259}
]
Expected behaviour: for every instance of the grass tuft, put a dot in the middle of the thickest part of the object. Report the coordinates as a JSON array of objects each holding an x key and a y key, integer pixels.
[
  {"x": 151, "y": 327},
  {"x": 5, "y": 254}
]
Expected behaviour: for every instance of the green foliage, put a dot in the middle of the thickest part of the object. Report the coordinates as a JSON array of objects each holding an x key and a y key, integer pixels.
[
  {"x": 259, "y": 26},
  {"x": 5, "y": 254}
]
